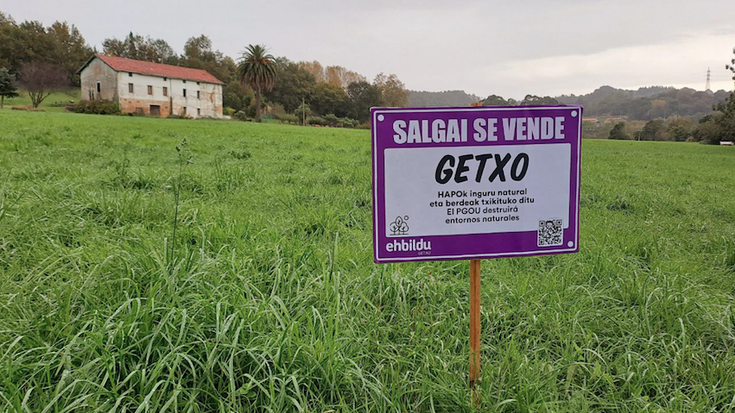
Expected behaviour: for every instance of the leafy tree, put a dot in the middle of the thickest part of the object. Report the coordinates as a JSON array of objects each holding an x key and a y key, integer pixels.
[
  {"x": 137, "y": 47},
  {"x": 731, "y": 66},
  {"x": 679, "y": 129},
  {"x": 618, "y": 132},
  {"x": 158, "y": 50},
  {"x": 7, "y": 86},
  {"x": 709, "y": 131},
  {"x": 718, "y": 126},
  {"x": 294, "y": 85},
  {"x": 11, "y": 48},
  {"x": 200, "y": 48},
  {"x": 231, "y": 100},
  {"x": 302, "y": 111},
  {"x": 392, "y": 91},
  {"x": 41, "y": 80},
  {"x": 494, "y": 100},
  {"x": 538, "y": 100},
  {"x": 70, "y": 50},
  {"x": 258, "y": 70},
  {"x": 327, "y": 98},
  {"x": 339, "y": 76},
  {"x": 316, "y": 69},
  {"x": 199, "y": 54},
  {"x": 60, "y": 45},
  {"x": 653, "y": 130},
  {"x": 445, "y": 98},
  {"x": 727, "y": 120},
  {"x": 39, "y": 46},
  {"x": 361, "y": 96},
  {"x": 234, "y": 94}
]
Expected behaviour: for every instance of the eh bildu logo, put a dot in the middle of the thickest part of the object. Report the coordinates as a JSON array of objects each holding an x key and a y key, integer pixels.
[
  {"x": 399, "y": 226},
  {"x": 411, "y": 245}
]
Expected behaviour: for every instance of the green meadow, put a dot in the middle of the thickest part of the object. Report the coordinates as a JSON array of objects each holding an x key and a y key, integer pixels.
[
  {"x": 55, "y": 102},
  {"x": 235, "y": 274}
]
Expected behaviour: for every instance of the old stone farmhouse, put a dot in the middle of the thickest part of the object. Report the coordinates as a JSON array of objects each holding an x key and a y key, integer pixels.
[{"x": 152, "y": 88}]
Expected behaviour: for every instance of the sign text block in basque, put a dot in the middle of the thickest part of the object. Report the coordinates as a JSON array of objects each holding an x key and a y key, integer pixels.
[{"x": 462, "y": 183}]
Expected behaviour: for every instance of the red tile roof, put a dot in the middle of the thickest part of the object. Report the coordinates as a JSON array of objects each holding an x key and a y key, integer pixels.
[{"x": 122, "y": 64}]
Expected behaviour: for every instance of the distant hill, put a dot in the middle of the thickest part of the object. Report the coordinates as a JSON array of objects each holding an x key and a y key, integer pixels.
[
  {"x": 446, "y": 98},
  {"x": 610, "y": 93},
  {"x": 646, "y": 103}
]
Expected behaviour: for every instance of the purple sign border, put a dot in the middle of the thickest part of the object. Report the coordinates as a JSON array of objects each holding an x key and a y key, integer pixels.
[{"x": 470, "y": 246}]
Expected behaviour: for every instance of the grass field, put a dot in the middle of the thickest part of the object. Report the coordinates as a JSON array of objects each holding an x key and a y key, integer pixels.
[
  {"x": 54, "y": 103},
  {"x": 268, "y": 299}
]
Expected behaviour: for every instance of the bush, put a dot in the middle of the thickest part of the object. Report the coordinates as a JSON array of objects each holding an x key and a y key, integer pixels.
[
  {"x": 170, "y": 117},
  {"x": 241, "y": 115},
  {"x": 95, "y": 107},
  {"x": 349, "y": 123},
  {"x": 332, "y": 120},
  {"x": 679, "y": 129},
  {"x": 303, "y": 110},
  {"x": 287, "y": 118},
  {"x": 232, "y": 100},
  {"x": 709, "y": 132},
  {"x": 316, "y": 120},
  {"x": 654, "y": 130},
  {"x": 618, "y": 132},
  {"x": 250, "y": 111},
  {"x": 228, "y": 111},
  {"x": 276, "y": 109}
]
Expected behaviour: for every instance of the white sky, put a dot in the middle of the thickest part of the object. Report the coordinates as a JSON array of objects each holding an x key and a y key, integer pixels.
[{"x": 508, "y": 48}]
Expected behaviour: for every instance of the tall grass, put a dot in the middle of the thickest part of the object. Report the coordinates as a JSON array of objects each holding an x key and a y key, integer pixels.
[{"x": 272, "y": 302}]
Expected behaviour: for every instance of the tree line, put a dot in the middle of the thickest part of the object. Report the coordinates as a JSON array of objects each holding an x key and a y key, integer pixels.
[
  {"x": 710, "y": 129},
  {"x": 647, "y": 103},
  {"x": 444, "y": 98},
  {"x": 292, "y": 90}
]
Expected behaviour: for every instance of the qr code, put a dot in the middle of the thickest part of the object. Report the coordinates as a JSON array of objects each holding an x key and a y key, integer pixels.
[{"x": 549, "y": 232}]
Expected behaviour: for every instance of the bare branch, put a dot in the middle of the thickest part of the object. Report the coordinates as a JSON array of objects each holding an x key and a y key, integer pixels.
[{"x": 41, "y": 80}]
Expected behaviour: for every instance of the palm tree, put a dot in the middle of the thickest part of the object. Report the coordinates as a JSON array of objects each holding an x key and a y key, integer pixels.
[{"x": 258, "y": 70}]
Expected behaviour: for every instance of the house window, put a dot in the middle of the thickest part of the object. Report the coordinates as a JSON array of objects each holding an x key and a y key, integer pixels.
[
  {"x": 184, "y": 92},
  {"x": 184, "y": 110},
  {"x": 130, "y": 74},
  {"x": 165, "y": 91},
  {"x": 165, "y": 79},
  {"x": 197, "y": 83},
  {"x": 184, "y": 81},
  {"x": 150, "y": 89},
  {"x": 197, "y": 94},
  {"x": 98, "y": 87},
  {"x": 130, "y": 87},
  {"x": 199, "y": 112}
]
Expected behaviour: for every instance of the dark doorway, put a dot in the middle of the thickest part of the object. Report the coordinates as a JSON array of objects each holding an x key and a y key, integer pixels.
[{"x": 155, "y": 110}]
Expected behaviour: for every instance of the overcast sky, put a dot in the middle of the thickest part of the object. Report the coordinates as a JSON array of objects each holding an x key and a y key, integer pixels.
[{"x": 508, "y": 48}]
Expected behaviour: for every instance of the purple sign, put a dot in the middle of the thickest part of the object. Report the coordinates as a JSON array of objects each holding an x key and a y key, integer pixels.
[{"x": 480, "y": 182}]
